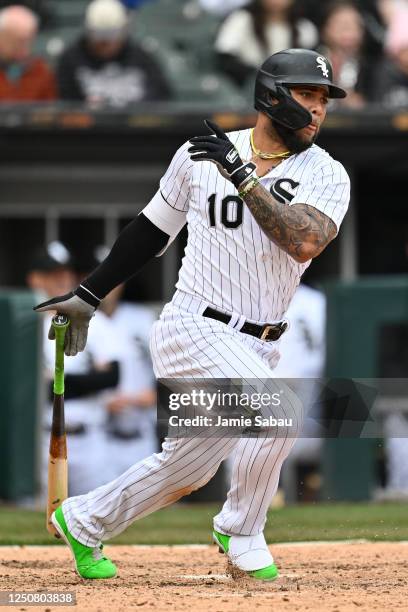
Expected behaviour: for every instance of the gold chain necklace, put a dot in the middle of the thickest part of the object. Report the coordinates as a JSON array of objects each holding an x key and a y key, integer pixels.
[{"x": 263, "y": 155}]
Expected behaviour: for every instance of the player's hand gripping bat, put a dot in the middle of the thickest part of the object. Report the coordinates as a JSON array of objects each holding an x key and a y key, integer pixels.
[{"x": 57, "y": 460}]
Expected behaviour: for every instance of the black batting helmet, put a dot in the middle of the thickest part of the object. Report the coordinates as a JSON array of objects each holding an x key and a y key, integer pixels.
[{"x": 284, "y": 69}]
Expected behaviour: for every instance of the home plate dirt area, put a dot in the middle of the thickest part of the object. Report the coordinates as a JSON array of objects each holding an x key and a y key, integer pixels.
[{"x": 320, "y": 576}]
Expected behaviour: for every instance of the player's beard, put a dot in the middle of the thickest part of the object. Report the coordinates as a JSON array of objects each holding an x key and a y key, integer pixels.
[{"x": 292, "y": 140}]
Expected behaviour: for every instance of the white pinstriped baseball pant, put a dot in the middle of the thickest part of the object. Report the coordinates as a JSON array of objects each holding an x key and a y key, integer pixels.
[{"x": 184, "y": 344}]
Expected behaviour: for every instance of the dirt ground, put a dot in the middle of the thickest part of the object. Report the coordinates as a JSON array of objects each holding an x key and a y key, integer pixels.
[{"x": 339, "y": 577}]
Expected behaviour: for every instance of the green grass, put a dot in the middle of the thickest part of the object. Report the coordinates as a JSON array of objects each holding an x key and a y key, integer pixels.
[{"x": 191, "y": 524}]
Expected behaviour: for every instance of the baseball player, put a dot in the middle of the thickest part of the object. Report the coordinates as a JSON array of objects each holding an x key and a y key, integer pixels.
[{"x": 260, "y": 204}]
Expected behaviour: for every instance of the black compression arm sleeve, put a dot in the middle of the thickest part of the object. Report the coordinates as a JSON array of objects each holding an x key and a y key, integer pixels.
[{"x": 137, "y": 244}]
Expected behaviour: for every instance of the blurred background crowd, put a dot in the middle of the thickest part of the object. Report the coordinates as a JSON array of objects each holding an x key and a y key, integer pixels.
[
  {"x": 112, "y": 55},
  {"x": 112, "y": 52}
]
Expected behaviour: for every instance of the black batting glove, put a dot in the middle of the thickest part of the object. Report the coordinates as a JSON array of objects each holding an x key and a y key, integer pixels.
[
  {"x": 79, "y": 306},
  {"x": 218, "y": 148}
]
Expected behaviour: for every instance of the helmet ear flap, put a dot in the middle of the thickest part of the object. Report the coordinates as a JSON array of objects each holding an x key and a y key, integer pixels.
[{"x": 285, "y": 110}]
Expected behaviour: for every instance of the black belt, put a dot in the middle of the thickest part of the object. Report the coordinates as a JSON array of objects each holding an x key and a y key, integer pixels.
[{"x": 269, "y": 332}]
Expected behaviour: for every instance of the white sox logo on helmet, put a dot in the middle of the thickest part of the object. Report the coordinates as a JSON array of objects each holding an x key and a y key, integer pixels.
[{"x": 321, "y": 63}]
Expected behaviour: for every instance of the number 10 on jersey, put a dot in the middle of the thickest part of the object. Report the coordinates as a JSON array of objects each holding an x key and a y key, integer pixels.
[{"x": 232, "y": 211}]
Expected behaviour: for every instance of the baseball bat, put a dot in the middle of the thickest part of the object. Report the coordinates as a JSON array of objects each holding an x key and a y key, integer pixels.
[{"x": 57, "y": 459}]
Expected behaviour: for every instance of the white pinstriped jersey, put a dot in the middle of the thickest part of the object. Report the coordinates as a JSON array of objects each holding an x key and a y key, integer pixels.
[
  {"x": 232, "y": 265},
  {"x": 229, "y": 262}
]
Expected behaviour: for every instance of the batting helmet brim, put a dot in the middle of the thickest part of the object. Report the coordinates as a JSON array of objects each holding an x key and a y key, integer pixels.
[{"x": 271, "y": 81}]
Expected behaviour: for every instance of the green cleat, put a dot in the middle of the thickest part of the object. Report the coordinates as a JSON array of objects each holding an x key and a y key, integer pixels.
[
  {"x": 89, "y": 562},
  {"x": 266, "y": 573},
  {"x": 246, "y": 551}
]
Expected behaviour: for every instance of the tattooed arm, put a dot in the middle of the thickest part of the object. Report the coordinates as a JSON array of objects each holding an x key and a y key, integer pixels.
[{"x": 300, "y": 230}]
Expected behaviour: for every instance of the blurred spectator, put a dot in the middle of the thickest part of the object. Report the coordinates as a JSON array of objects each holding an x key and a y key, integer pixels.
[
  {"x": 371, "y": 10},
  {"x": 392, "y": 78},
  {"x": 343, "y": 38},
  {"x": 132, "y": 422},
  {"x": 86, "y": 375},
  {"x": 23, "y": 77},
  {"x": 374, "y": 23},
  {"x": 249, "y": 35},
  {"x": 41, "y": 8},
  {"x": 222, "y": 8},
  {"x": 104, "y": 66}
]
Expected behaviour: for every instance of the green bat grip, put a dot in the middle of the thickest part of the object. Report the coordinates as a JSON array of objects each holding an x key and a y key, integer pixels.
[{"x": 60, "y": 324}]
